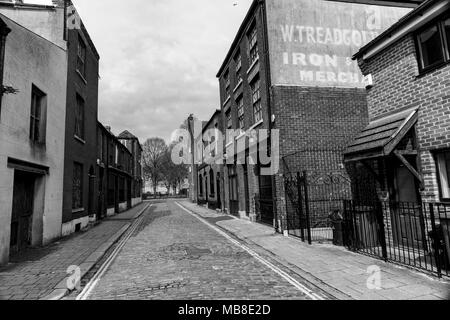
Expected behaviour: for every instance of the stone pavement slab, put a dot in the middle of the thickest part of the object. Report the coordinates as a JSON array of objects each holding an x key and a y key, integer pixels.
[
  {"x": 334, "y": 266},
  {"x": 40, "y": 273}
]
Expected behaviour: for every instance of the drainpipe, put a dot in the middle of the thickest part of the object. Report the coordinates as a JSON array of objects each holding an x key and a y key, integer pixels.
[
  {"x": 277, "y": 225},
  {"x": 4, "y": 31}
]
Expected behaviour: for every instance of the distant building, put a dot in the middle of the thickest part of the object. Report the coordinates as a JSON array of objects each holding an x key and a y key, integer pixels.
[
  {"x": 115, "y": 174},
  {"x": 134, "y": 146},
  {"x": 289, "y": 68},
  {"x": 33, "y": 79},
  {"x": 209, "y": 173}
]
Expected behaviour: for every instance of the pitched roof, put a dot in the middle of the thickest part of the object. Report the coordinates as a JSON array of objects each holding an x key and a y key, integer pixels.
[
  {"x": 126, "y": 135},
  {"x": 381, "y": 136}
]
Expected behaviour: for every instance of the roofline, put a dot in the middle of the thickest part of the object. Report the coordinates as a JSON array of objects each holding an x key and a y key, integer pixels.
[
  {"x": 3, "y": 17},
  {"x": 133, "y": 138},
  {"x": 395, "y": 27},
  {"x": 113, "y": 136},
  {"x": 53, "y": 8},
  {"x": 237, "y": 38},
  {"x": 210, "y": 119}
]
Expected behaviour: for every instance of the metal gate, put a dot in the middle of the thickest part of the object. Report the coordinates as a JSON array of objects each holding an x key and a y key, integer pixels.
[
  {"x": 412, "y": 234},
  {"x": 312, "y": 202}
]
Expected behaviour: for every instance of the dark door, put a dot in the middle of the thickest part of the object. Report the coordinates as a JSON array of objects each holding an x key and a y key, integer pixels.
[
  {"x": 408, "y": 222},
  {"x": 219, "y": 200},
  {"x": 100, "y": 200},
  {"x": 22, "y": 211},
  {"x": 91, "y": 194},
  {"x": 233, "y": 190},
  {"x": 247, "y": 195},
  {"x": 266, "y": 200},
  {"x": 129, "y": 194}
]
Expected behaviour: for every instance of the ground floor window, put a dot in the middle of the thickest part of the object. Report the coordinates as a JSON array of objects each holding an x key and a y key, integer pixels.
[
  {"x": 77, "y": 186},
  {"x": 443, "y": 167},
  {"x": 211, "y": 183}
]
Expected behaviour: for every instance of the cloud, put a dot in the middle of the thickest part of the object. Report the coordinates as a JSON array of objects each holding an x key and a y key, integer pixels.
[{"x": 159, "y": 59}]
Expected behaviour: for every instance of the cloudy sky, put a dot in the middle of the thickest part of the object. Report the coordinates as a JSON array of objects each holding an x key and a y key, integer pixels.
[{"x": 159, "y": 59}]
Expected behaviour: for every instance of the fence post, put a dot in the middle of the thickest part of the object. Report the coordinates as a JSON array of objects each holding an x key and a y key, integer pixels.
[
  {"x": 435, "y": 241},
  {"x": 382, "y": 233},
  {"x": 300, "y": 206},
  {"x": 308, "y": 227}
]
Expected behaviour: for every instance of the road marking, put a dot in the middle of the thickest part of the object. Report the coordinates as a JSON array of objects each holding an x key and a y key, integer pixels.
[
  {"x": 284, "y": 275},
  {"x": 87, "y": 290}
]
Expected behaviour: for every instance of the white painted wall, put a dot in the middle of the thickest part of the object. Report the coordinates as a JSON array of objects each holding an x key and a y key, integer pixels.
[{"x": 30, "y": 59}]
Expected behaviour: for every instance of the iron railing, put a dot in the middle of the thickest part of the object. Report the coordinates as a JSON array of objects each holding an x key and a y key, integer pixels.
[{"x": 412, "y": 234}]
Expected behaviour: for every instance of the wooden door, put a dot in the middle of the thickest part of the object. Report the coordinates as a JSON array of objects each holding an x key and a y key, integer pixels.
[
  {"x": 22, "y": 211},
  {"x": 408, "y": 223}
]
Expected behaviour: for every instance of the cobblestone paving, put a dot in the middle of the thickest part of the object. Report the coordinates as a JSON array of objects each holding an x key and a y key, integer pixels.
[
  {"x": 35, "y": 273},
  {"x": 174, "y": 256}
]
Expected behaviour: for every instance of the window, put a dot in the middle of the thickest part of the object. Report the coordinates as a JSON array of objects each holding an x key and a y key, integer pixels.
[
  {"x": 226, "y": 79},
  {"x": 256, "y": 99},
  {"x": 433, "y": 44},
  {"x": 229, "y": 125},
  {"x": 77, "y": 186},
  {"x": 200, "y": 184},
  {"x": 253, "y": 44},
  {"x": 81, "y": 57},
  {"x": 211, "y": 183},
  {"x": 443, "y": 166},
  {"x": 37, "y": 119},
  {"x": 238, "y": 63},
  {"x": 240, "y": 106},
  {"x": 122, "y": 189},
  {"x": 79, "y": 118}
]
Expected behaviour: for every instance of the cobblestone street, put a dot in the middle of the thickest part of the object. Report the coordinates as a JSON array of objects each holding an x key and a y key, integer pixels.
[{"x": 172, "y": 255}]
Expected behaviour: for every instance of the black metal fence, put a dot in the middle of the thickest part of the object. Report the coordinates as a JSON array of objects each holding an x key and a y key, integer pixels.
[
  {"x": 313, "y": 202},
  {"x": 413, "y": 234}
]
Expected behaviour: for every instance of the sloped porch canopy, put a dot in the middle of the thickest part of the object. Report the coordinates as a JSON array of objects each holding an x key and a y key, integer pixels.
[{"x": 381, "y": 138}]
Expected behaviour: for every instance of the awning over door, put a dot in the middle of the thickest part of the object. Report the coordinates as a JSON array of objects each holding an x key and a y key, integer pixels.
[{"x": 381, "y": 136}]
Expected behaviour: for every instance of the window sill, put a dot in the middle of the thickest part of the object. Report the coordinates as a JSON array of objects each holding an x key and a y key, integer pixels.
[
  {"x": 79, "y": 139},
  {"x": 253, "y": 65},
  {"x": 227, "y": 100},
  {"x": 238, "y": 85},
  {"x": 430, "y": 69},
  {"x": 81, "y": 76},
  {"x": 77, "y": 210},
  {"x": 256, "y": 124}
]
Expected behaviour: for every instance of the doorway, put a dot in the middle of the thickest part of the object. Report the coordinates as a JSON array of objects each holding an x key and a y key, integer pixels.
[
  {"x": 408, "y": 229},
  {"x": 22, "y": 211}
]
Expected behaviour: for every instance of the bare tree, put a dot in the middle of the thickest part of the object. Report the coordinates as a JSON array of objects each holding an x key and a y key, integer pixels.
[
  {"x": 153, "y": 157},
  {"x": 173, "y": 174}
]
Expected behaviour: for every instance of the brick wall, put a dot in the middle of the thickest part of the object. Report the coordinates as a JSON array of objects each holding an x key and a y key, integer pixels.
[
  {"x": 316, "y": 124},
  {"x": 398, "y": 86}
]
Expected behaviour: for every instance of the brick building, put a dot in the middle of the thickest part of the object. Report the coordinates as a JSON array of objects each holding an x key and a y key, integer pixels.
[
  {"x": 289, "y": 69},
  {"x": 115, "y": 174},
  {"x": 134, "y": 146},
  {"x": 32, "y": 118},
  {"x": 209, "y": 171}
]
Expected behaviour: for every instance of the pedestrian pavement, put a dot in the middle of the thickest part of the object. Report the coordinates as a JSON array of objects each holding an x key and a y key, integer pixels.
[
  {"x": 40, "y": 273},
  {"x": 336, "y": 270}
]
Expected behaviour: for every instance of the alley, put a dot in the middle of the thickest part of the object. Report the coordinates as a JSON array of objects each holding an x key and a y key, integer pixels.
[{"x": 172, "y": 255}]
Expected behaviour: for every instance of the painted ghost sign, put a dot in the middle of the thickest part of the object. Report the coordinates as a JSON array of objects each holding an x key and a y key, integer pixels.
[{"x": 312, "y": 41}]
